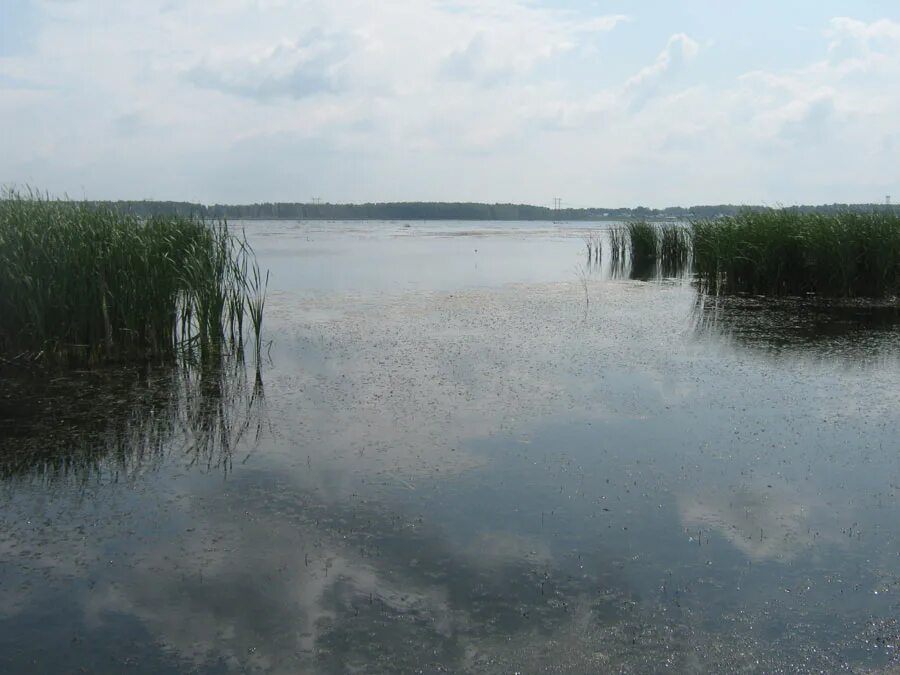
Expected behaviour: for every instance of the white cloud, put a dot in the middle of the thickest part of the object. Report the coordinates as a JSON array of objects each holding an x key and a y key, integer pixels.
[
  {"x": 435, "y": 99},
  {"x": 679, "y": 50},
  {"x": 291, "y": 68},
  {"x": 867, "y": 35}
]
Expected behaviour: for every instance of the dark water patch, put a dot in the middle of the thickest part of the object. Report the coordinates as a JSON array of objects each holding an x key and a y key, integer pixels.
[
  {"x": 643, "y": 269},
  {"x": 110, "y": 423},
  {"x": 855, "y": 330},
  {"x": 113, "y": 644}
]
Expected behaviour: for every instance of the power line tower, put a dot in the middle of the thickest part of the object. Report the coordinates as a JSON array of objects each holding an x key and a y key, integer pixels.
[
  {"x": 557, "y": 205},
  {"x": 887, "y": 200},
  {"x": 316, "y": 200}
]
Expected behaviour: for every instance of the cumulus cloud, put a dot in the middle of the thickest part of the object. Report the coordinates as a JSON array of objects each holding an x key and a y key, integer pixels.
[
  {"x": 473, "y": 62},
  {"x": 869, "y": 35},
  {"x": 679, "y": 50},
  {"x": 291, "y": 68},
  {"x": 505, "y": 50},
  {"x": 439, "y": 99}
]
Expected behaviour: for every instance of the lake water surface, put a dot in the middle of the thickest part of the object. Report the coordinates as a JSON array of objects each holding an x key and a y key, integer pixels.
[{"x": 466, "y": 451}]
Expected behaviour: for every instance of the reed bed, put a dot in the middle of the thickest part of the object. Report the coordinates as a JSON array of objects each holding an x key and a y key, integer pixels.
[
  {"x": 674, "y": 249},
  {"x": 786, "y": 252},
  {"x": 644, "y": 242},
  {"x": 86, "y": 284}
]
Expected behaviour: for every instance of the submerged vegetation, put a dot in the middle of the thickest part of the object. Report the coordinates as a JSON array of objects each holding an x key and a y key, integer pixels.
[
  {"x": 846, "y": 254},
  {"x": 88, "y": 284}
]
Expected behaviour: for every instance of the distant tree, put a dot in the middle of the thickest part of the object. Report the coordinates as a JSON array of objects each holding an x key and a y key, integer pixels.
[{"x": 453, "y": 211}]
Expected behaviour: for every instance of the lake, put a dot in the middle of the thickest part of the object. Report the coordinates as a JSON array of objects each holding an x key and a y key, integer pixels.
[{"x": 466, "y": 450}]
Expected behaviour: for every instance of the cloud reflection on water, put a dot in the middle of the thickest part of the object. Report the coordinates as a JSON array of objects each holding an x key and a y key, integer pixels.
[{"x": 393, "y": 520}]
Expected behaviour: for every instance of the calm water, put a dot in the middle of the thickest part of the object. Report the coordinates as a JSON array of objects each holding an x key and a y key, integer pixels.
[{"x": 454, "y": 463}]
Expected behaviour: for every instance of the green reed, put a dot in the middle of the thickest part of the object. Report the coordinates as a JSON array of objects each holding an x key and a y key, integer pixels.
[
  {"x": 644, "y": 242},
  {"x": 674, "y": 248},
  {"x": 787, "y": 252},
  {"x": 83, "y": 284}
]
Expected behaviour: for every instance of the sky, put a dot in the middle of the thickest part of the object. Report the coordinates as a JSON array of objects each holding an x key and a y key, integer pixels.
[{"x": 597, "y": 102}]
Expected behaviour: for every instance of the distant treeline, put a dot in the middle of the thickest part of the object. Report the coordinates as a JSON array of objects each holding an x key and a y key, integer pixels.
[{"x": 451, "y": 211}]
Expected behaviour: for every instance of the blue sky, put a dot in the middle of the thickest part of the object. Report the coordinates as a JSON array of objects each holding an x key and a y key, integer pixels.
[{"x": 616, "y": 102}]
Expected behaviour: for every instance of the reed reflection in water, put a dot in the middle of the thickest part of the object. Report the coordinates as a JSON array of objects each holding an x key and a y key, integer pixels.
[
  {"x": 859, "y": 330},
  {"x": 114, "y": 424}
]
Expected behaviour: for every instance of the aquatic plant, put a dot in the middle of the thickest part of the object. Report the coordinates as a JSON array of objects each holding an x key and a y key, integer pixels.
[
  {"x": 644, "y": 242},
  {"x": 674, "y": 248},
  {"x": 618, "y": 242},
  {"x": 593, "y": 242},
  {"x": 588, "y": 245},
  {"x": 83, "y": 283},
  {"x": 787, "y": 252}
]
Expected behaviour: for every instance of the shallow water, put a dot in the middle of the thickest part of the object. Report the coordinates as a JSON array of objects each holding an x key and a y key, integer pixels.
[
  {"x": 437, "y": 255},
  {"x": 454, "y": 463}
]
